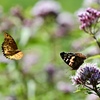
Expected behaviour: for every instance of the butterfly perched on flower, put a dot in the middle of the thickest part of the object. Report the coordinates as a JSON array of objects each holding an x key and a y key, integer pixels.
[
  {"x": 74, "y": 60},
  {"x": 10, "y": 49}
]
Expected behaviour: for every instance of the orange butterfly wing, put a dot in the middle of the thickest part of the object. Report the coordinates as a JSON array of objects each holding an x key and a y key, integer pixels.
[{"x": 10, "y": 49}]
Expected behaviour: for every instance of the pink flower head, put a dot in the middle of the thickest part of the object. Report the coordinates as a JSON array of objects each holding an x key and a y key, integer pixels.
[{"x": 89, "y": 18}]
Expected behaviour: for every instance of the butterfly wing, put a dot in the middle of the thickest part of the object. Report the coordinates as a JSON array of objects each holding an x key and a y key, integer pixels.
[
  {"x": 80, "y": 55},
  {"x": 9, "y": 45},
  {"x": 68, "y": 58},
  {"x": 74, "y": 60},
  {"x": 79, "y": 60},
  {"x": 10, "y": 49}
]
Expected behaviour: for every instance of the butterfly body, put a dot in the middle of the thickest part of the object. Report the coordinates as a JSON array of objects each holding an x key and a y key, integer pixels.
[
  {"x": 74, "y": 60},
  {"x": 10, "y": 49}
]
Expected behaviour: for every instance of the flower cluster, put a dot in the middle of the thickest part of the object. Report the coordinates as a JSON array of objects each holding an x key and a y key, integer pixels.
[
  {"x": 88, "y": 76},
  {"x": 89, "y": 18},
  {"x": 17, "y": 11},
  {"x": 44, "y": 8},
  {"x": 64, "y": 87},
  {"x": 50, "y": 70},
  {"x": 65, "y": 24}
]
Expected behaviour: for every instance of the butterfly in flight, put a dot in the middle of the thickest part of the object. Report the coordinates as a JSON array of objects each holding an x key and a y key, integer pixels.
[
  {"x": 10, "y": 49},
  {"x": 74, "y": 60}
]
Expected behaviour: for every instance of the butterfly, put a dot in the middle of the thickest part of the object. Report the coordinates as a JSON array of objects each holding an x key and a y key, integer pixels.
[
  {"x": 74, "y": 60},
  {"x": 10, "y": 49}
]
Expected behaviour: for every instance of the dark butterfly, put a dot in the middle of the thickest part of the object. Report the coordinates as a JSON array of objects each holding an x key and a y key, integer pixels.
[
  {"x": 74, "y": 60},
  {"x": 10, "y": 49}
]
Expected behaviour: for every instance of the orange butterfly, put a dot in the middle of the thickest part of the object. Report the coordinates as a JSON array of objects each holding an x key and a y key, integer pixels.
[{"x": 10, "y": 49}]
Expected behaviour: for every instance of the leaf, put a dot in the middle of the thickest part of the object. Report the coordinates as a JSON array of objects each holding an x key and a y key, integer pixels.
[
  {"x": 80, "y": 88},
  {"x": 93, "y": 57},
  {"x": 89, "y": 91}
]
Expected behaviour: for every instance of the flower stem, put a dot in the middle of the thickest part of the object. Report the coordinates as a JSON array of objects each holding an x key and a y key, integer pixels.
[
  {"x": 96, "y": 91},
  {"x": 93, "y": 89},
  {"x": 96, "y": 41},
  {"x": 24, "y": 81}
]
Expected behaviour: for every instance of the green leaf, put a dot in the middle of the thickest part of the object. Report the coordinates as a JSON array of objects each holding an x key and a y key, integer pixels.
[{"x": 93, "y": 57}]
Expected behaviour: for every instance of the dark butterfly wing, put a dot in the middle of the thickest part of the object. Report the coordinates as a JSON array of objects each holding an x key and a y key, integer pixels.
[
  {"x": 68, "y": 58},
  {"x": 78, "y": 61},
  {"x": 9, "y": 47},
  {"x": 74, "y": 60}
]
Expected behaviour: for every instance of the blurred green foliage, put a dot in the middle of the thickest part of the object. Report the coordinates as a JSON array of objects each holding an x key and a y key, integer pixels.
[
  {"x": 40, "y": 74},
  {"x": 68, "y": 5}
]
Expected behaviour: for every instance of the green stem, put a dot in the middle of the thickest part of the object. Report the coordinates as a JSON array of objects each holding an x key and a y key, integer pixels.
[
  {"x": 23, "y": 79},
  {"x": 93, "y": 89},
  {"x": 96, "y": 91},
  {"x": 98, "y": 43}
]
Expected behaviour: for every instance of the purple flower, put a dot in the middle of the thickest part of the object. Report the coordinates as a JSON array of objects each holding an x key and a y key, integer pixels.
[
  {"x": 88, "y": 76},
  {"x": 89, "y": 19},
  {"x": 65, "y": 24},
  {"x": 45, "y": 7},
  {"x": 92, "y": 97},
  {"x": 50, "y": 70},
  {"x": 17, "y": 11},
  {"x": 65, "y": 87},
  {"x": 6, "y": 24}
]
